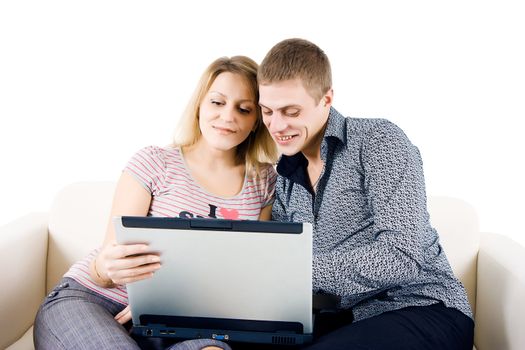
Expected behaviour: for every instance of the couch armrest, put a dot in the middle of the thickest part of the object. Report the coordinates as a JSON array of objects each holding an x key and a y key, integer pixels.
[
  {"x": 500, "y": 303},
  {"x": 23, "y": 258}
]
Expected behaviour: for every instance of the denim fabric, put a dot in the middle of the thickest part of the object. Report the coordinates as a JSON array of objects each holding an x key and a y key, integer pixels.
[{"x": 74, "y": 317}]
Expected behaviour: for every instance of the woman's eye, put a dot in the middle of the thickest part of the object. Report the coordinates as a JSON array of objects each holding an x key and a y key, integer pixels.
[
  {"x": 217, "y": 103},
  {"x": 245, "y": 110}
]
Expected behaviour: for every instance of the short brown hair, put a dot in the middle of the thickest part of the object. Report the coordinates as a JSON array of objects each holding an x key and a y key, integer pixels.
[
  {"x": 259, "y": 147},
  {"x": 297, "y": 58}
]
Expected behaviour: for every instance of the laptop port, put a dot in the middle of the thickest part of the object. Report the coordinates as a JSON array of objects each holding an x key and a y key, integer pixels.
[
  {"x": 220, "y": 336},
  {"x": 283, "y": 340},
  {"x": 149, "y": 332},
  {"x": 163, "y": 331}
]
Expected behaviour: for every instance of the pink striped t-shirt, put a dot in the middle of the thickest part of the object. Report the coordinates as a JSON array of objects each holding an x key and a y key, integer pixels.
[{"x": 163, "y": 173}]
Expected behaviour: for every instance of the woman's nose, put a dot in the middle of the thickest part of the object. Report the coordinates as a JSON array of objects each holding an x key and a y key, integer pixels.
[{"x": 228, "y": 114}]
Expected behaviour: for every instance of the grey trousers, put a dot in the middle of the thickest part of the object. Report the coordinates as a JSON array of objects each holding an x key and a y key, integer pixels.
[{"x": 74, "y": 317}]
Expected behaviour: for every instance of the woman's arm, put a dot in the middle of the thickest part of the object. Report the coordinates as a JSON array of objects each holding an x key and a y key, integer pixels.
[
  {"x": 266, "y": 213},
  {"x": 121, "y": 264}
]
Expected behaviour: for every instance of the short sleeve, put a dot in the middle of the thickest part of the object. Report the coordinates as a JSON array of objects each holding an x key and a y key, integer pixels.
[
  {"x": 269, "y": 179},
  {"x": 148, "y": 167}
]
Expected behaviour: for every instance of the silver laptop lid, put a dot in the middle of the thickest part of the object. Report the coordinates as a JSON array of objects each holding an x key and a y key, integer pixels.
[{"x": 246, "y": 270}]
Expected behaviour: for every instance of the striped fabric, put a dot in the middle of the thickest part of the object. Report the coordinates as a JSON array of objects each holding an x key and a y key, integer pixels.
[
  {"x": 163, "y": 172},
  {"x": 80, "y": 273}
]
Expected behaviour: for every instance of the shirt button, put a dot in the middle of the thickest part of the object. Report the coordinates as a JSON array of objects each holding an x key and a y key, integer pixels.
[
  {"x": 63, "y": 285},
  {"x": 52, "y": 294}
]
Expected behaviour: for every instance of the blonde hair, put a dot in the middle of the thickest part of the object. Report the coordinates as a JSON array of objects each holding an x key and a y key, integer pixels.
[
  {"x": 259, "y": 147},
  {"x": 297, "y": 58}
]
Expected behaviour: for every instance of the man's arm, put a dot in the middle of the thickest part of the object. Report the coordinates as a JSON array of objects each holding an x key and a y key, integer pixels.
[
  {"x": 278, "y": 208},
  {"x": 394, "y": 186}
]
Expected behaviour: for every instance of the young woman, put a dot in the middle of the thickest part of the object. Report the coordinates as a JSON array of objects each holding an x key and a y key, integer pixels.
[{"x": 220, "y": 166}]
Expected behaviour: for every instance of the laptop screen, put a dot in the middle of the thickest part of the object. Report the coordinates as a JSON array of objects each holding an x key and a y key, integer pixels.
[{"x": 241, "y": 277}]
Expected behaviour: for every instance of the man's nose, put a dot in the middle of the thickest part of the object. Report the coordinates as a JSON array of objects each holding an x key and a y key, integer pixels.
[{"x": 276, "y": 123}]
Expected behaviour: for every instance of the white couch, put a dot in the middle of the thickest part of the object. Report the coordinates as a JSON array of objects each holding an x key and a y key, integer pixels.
[{"x": 37, "y": 249}]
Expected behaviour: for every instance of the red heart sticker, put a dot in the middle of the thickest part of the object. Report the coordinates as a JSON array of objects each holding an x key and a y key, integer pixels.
[{"x": 230, "y": 214}]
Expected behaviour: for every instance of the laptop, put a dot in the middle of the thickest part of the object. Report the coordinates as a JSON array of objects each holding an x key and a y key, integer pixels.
[{"x": 230, "y": 280}]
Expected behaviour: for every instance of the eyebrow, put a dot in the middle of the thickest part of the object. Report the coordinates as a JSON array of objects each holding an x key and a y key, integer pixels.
[
  {"x": 223, "y": 95},
  {"x": 282, "y": 108}
]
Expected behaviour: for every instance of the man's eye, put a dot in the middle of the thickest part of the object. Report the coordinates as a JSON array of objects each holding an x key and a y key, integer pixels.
[
  {"x": 293, "y": 113},
  {"x": 268, "y": 113}
]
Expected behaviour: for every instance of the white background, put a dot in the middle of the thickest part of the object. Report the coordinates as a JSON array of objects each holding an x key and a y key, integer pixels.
[{"x": 83, "y": 85}]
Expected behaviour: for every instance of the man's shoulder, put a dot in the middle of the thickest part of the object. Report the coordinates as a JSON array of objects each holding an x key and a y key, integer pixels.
[
  {"x": 371, "y": 128},
  {"x": 358, "y": 133},
  {"x": 366, "y": 125},
  {"x": 349, "y": 128}
]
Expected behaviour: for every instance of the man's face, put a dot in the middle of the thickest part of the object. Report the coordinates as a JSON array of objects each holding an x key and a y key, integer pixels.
[{"x": 293, "y": 117}]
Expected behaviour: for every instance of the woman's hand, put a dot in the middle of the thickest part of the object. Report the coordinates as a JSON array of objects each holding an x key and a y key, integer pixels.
[
  {"x": 122, "y": 264},
  {"x": 123, "y": 316}
]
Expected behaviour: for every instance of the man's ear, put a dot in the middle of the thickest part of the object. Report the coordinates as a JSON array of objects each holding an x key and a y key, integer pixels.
[{"x": 328, "y": 98}]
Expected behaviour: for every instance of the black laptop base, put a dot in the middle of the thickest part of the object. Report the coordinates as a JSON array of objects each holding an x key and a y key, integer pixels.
[{"x": 243, "y": 331}]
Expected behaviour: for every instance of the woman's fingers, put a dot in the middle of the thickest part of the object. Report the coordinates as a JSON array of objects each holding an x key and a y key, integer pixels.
[
  {"x": 124, "y": 316},
  {"x": 133, "y": 261},
  {"x": 133, "y": 274},
  {"x": 133, "y": 277},
  {"x": 128, "y": 263},
  {"x": 118, "y": 251}
]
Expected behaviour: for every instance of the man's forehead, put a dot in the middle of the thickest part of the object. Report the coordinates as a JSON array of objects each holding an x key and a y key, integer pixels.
[{"x": 282, "y": 95}]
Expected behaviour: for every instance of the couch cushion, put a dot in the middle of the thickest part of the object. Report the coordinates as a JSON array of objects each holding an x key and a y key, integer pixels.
[
  {"x": 80, "y": 213},
  {"x": 77, "y": 224},
  {"x": 457, "y": 225},
  {"x": 24, "y": 343},
  {"x": 23, "y": 251}
]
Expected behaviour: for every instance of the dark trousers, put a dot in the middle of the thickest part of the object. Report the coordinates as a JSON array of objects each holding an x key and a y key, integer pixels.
[{"x": 423, "y": 327}]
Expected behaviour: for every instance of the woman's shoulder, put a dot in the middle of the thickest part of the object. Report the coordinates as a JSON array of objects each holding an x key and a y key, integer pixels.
[
  {"x": 158, "y": 152},
  {"x": 265, "y": 173},
  {"x": 268, "y": 168}
]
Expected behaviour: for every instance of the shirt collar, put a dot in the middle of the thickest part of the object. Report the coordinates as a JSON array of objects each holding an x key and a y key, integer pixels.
[
  {"x": 336, "y": 126},
  {"x": 294, "y": 167}
]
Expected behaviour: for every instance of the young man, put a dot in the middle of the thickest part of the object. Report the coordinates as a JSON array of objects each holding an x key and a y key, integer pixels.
[{"x": 380, "y": 277}]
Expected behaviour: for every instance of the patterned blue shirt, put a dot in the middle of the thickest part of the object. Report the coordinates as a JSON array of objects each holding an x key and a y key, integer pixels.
[{"x": 373, "y": 245}]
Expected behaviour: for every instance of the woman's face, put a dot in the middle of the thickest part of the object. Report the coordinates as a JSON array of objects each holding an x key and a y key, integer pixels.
[{"x": 228, "y": 112}]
